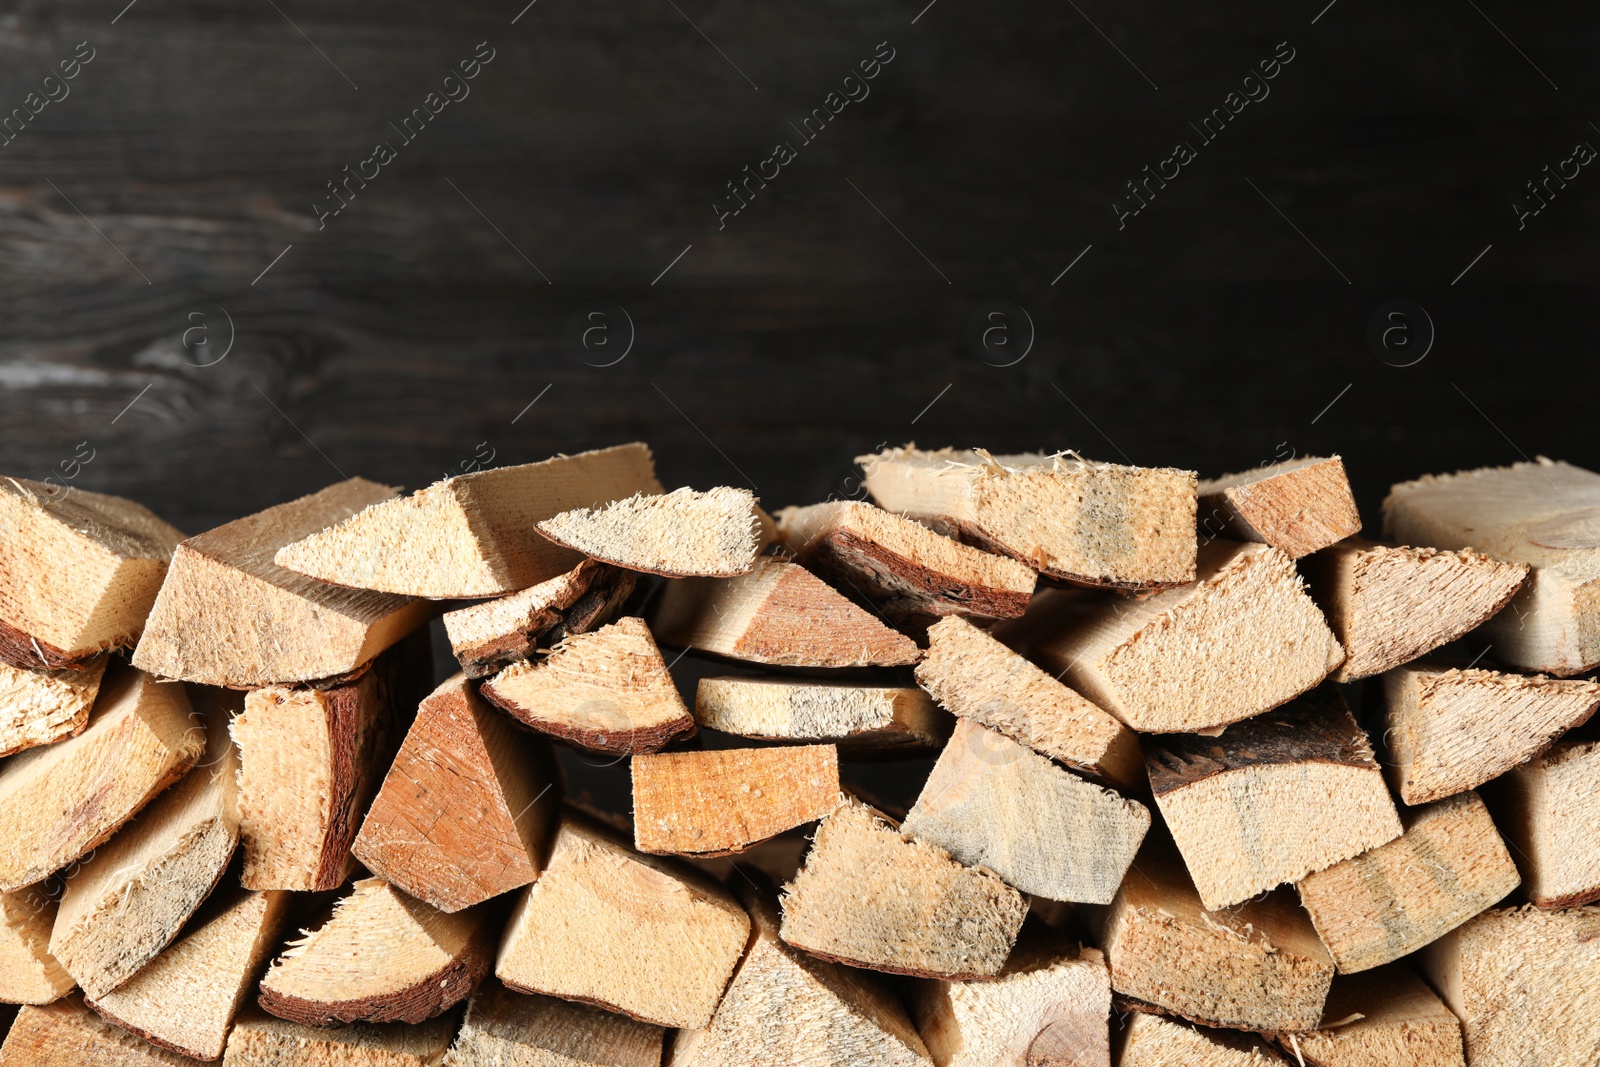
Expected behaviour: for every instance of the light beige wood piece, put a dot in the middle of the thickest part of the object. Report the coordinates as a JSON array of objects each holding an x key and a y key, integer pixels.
[
  {"x": 870, "y": 897},
  {"x": 78, "y": 572},
  {"x": 259, "y": 1040},
  {"x": 636, "y": 934},
  {"x": 493, "y": 634},
  {"x": 39, "y": 707},
  {"x": 472, "y": 535},
  {"x": 1241, "y": 640},
  {"x": 1449, "y": 865},
  {"x": 506, "y": 1029},
  {"x": 1157, "y": 1041},
  {"x": 714, "y": 802},
  {"x": 1297, "y": 507},
  {"x": 1071, "y": 518},
  {"x": 67, "y": 1034},
  {"x": 1390, "y": 605},
  {"x": 59, "y": 802},
  {"x": 1549, "y": 810},
  {"x": 861, "y": 720},
  {"x": 681, "y": 534},
  {"x": 1384, "y": 1018},
  {"x": 228, "y": 615},
  {"x": 993, "y": 803},
  {"x": 1450, "y": 730},
  {"x": 28, "y": 973}
]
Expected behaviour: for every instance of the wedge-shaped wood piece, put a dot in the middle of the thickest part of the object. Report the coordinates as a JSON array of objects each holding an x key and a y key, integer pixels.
[
  {"x": 1074, "y": 519},
  {"x": 28, "y": 973},
  {"x": 39, "y": 707},
  {"x": 861, "y": 720},
  {"x": 61, "y": 801},
  {"x": 1390, "y": 605},
  {"x": 468, "y": 807},
  {"x": 636, "y": 934},
  {"x": 1156, "y": 1041},
  {"x": 1384, "y": 1018},
  {"x": 1449, "y": 865},
  {"x": 1525, "y": 984},
  {"x": 506, "y": 1029},
  {"x": 1241, "y": 640},
  {"x": 1298, "y": 506},
  {"x": 67, "y": 1034},
  {"x": 259, "y": 1040},
  {"x": 1450, "y": 730},
  {"x": 718, "y": 801},
  {"x": 78, "y": 572},
  {"x": 870, "y": 897},
  {"x": 608, "y": 691},
  {"x": 1548, "y": 809},
  {"x": 228, "y": 615},
  {"x": 993, "y": 803},
  {"x": 680, "y": 534},
  {"x": 497, "y": 633},
  {"x": 472, "y": 535},
  {"x": 1273, "y": 798}
]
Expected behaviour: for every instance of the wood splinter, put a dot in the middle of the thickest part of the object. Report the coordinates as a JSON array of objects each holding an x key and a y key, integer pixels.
[
  {"x": 40, "y": 707},
  {"x": 681, "y": 534},
  {"x": 488, "y": 636}
]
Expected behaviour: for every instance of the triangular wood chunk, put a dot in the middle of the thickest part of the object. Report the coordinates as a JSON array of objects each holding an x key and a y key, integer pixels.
[
  {"x": 1384, "y": 1018},
  {"x": 1151, "y": 1040},
  {"x": 863, "y": 721},
  {"x": 78, "y": 572},
  {"x": 719, "y": 801},
  {"x": 506, "y": 1029},
  {"x": 67, "y": 1034},
  {"x": 468, "y": 807},
  {"x": 228, "y": 615},
  {"x": 1548, "y": 810},
  {"x": 28, "y": 973},
  {"x": 493, "y": 634},
  {"x": 261, "y": 1041},
  {"x": 38, "y": 707},
  {"x": 472, "y": 535},
  {"x": 679, "y": 534},
  {"x": 1297, "y": 507}
]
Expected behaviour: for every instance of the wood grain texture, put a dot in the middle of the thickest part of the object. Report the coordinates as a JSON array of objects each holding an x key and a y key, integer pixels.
[
  {"x": 28, "y": 973},
  {"x": 859, "y": 720},
  {"x": 38, "y": 706},
  {"x": 1548, "y": 808},
  {"x": 681, "y": 534},
  {"x": 259, "y": 1040},
  {"x": 1152, "y": 1040},
  {"x": 1383, "y": 1018},
  {"x": 506, "y": 1029},
  {"x": 1297, "y": 507},
  {"x": 493, "y": 634},
  {"x": 720, "y": 801},
  {"x": 67, "y": 1034}
]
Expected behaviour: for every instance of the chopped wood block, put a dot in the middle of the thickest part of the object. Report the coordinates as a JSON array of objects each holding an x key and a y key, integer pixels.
[
  {"x": 861, "y": 720},
  {"x": 505, "y": 1029},
  {"x": 1071, "y": 518},
  {"x": 978, "y": 678},
  {"x": 261, "y": 1041},
  {"x": 1156, "y": 1041},
  {"x": 468, "y": 807},
  {"x": 114, "y": 552},
  {"x": 870, "y": 897},
  {"x": 1451, "y": 730},
  {"x": 1525, "y": 984},
  {"x": 1297, "y": 507},
  {"x": 1390, "y": 605},
  {"x": 63, "y": 800},
  {"x": 993, "y": 803},
  {"x": 39, "y": 707},
  {"x": 904, "y": 569},
  {"x": 496, "y": 633},
  {"x": 1241, "y": 640},
  {"x": 67, "y": 1034},
  {"x": 717, "y": 801},
  {"x": 1384, "y": 1018},
  {"x": 227, "y": 615},
  {"x": 1273, "y": 798},
  {"x": 779, "y": 613},
  {"x": 1449, "y": 865},
  {"x": 28, "y": 973},
  {"x": 1549, "y": 809},
  {"x": 186, "y": 999},
  {"x": 607, "y": 691},
  {"x": 472, "y": 535},
  {"x": 681, "y": 534},
  {"x": 636, "y": 934},
  {"x": 381, "y": 957}
]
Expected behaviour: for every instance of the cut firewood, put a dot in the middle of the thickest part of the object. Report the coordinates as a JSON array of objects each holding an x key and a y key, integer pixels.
[
  {"x": 1549, "y": 809},
  {"x": 40, "y": 707},
  {"x": 870, "y": 897},
  {"x": 993, "y": 803},
  {"x": 979, "y": 678},
  {"x": 60, "y": 801},
  {"x": 311, "y": 760},
  {"x": 28, "y": 973},
  {"x": 1385, "y": 1018},
  {"x": 901, "y": 567},
  {"x": 488, "y": 636},
  {"x": 1152, "y": 1040},
  {"x": 607, "y": 691},
  {"x": 472, "y": 535},
  {"x": 718, "y": 801},
  {"x": 468, "y": 807},
  {"x": 1241, "y": 640},
  {"x": 382, "y": 956},
  {"x": 681, "y": 534},
  {"x": 1297, "y": 507},
  {"x": 1390, "y": 605},
  {"x": 506, "y": 1029},
  {"x": 67, "y": 1034},
  {"x": 1449, "y": 865},
  {"x": 259, "y": 1040},
  {"x": 636, "y": 934},
  {"x": 78, "y": 572},
  {"x": 1071, "y": 518},
  {"x": 227, "y": 615},
  {"x": 861, "y": 720},
  {"x": 1451, "y": 730}
]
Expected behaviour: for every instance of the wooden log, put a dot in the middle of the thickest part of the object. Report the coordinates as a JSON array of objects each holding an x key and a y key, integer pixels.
[
  {"x": 1152, "y": 1040},
  {"x": 67, "y": 1034},
  {"x": 227, "y": 615},
  {"x": 59, "y": 802},
  {"x": 472, "y": 535},
  {"x": 606, "y": 691},
  {"x": 631, "y": 933},
  {"x": 1450, "y": 730},
  {"x": 505, "y": 1029},
  {"x": 681, "y": 534},
  {"x": 40, "y": 707},
  {"x": 1272, "y": 799},
  {"x": 259, "y": 1040},
  {"x": 715, "y": 802},
  {"x": 1390, "y": 605},
  {"x": 862, "y": 721},
  {"x": 1449, "y": 865},
  {"x": 28, "y": 973},
  {"x": 488, "y": 636},
  {"x": 310, "y": 761},
  {"x": 468, "y": 807},
  {"x": 114, "y": 551},
  {"x": 1071, "y": 518},
  {"x": 1298, "y": 506},
  {"x": 1242, "y": 639},
  {"x": 1384, "y": 1018},
  {"x": 1547, "y": 809},
  {"x": 993, "y": 803},
  {"x": 872, "y": 898}
]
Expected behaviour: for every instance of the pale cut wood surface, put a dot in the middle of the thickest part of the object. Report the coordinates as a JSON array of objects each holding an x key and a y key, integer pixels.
[
  {"x": 860, "y": 720},
  {"x": 1549, "y": 810},
  {"x": 1298, "y": 506},
  {"x": 39, "y": 707},
  {"x": 1151, "y": 1040},
  {"x": 1070, "y": 518},
  {"x": 228, "y": 615},
  {"x": 472, "y": 535},
  {"x": 493, "y": 634},
  {"x": 717, "y": 801},
  {"x": 28, "y": 973},
  {"x": 1384, "y": 1018},
  {"x": 506, "y": 1029},
  {"x": 993, "y": 803},
  {"x": 259, "y": 1040},
  {"x": 67, "y": 1034},
  {"x": 681, "y": 534}
]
